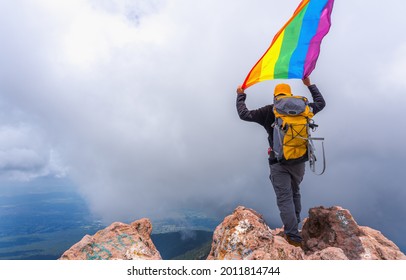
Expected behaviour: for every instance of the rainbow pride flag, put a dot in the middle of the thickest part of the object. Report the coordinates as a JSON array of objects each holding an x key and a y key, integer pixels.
[{"x": 295, "y": 48}]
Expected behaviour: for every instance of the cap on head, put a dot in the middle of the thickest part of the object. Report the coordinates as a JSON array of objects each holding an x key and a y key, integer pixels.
[{"x": 282, "y": 89}]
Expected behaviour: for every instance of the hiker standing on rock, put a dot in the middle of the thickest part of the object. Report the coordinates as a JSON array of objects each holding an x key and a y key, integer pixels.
[{"x": 287, "y": 175}]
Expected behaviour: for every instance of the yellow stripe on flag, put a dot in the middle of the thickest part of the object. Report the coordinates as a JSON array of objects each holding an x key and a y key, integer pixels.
[{"x": 270, "y": 58}]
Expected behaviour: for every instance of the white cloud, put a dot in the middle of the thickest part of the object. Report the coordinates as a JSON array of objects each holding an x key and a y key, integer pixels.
[
  {"x": 393, "y": 79},
  {"x": 24, "y": 154}
]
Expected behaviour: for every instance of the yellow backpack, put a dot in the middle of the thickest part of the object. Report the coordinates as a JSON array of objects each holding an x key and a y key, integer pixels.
[{"x": 292, "y": 141}]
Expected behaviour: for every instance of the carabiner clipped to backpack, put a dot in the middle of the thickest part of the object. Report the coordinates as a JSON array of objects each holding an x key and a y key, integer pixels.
[{"x": 312, "y": 155}]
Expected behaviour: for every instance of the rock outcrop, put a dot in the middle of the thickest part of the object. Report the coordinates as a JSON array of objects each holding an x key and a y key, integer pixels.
[
  {"x": 244, "y": 235},
  {"x": 117, "y": 241},
  {"x": 334, "y": 228},
  {"x": 328, "y": 234}
]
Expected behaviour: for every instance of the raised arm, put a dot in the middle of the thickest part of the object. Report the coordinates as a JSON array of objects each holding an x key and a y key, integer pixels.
[
  {"x": 318, "y": 101},
  {"x": 257, "y": 116}
]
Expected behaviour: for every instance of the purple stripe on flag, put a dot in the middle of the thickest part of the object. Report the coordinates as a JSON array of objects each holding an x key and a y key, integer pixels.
[{"x": 314, "y": 47}]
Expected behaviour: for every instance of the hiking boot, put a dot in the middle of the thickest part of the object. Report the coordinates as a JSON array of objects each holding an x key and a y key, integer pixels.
[{"x": 293, "y": 242}]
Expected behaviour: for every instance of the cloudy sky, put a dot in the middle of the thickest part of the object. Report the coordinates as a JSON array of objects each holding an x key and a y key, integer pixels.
[{"x": 135, "y": 102}]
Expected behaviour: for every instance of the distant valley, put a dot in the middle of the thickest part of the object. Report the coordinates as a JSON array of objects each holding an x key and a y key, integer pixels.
[{"x": 39, "y": 222}]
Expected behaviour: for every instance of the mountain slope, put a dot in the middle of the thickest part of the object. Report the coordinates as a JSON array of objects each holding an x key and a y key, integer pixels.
[{"x": 174, "y": 244}]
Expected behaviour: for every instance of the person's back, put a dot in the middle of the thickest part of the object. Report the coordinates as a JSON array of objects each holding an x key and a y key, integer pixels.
[{"x": 285, "y": 176}]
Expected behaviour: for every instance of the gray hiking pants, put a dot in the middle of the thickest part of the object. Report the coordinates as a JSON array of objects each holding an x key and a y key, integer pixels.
[{"x": 286, "y": 180}]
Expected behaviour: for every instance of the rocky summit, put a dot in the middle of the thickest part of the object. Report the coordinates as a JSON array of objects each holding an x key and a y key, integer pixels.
[
  {"x": 328, "y": 234},
  {"x": 118, "y": 241}
]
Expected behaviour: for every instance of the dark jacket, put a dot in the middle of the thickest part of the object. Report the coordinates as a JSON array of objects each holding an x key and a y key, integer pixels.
[{"x": 265, "y": 116}]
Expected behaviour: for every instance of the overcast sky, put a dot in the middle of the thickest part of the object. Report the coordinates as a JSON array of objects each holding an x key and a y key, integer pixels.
[{"x": 135, "y": 102}]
